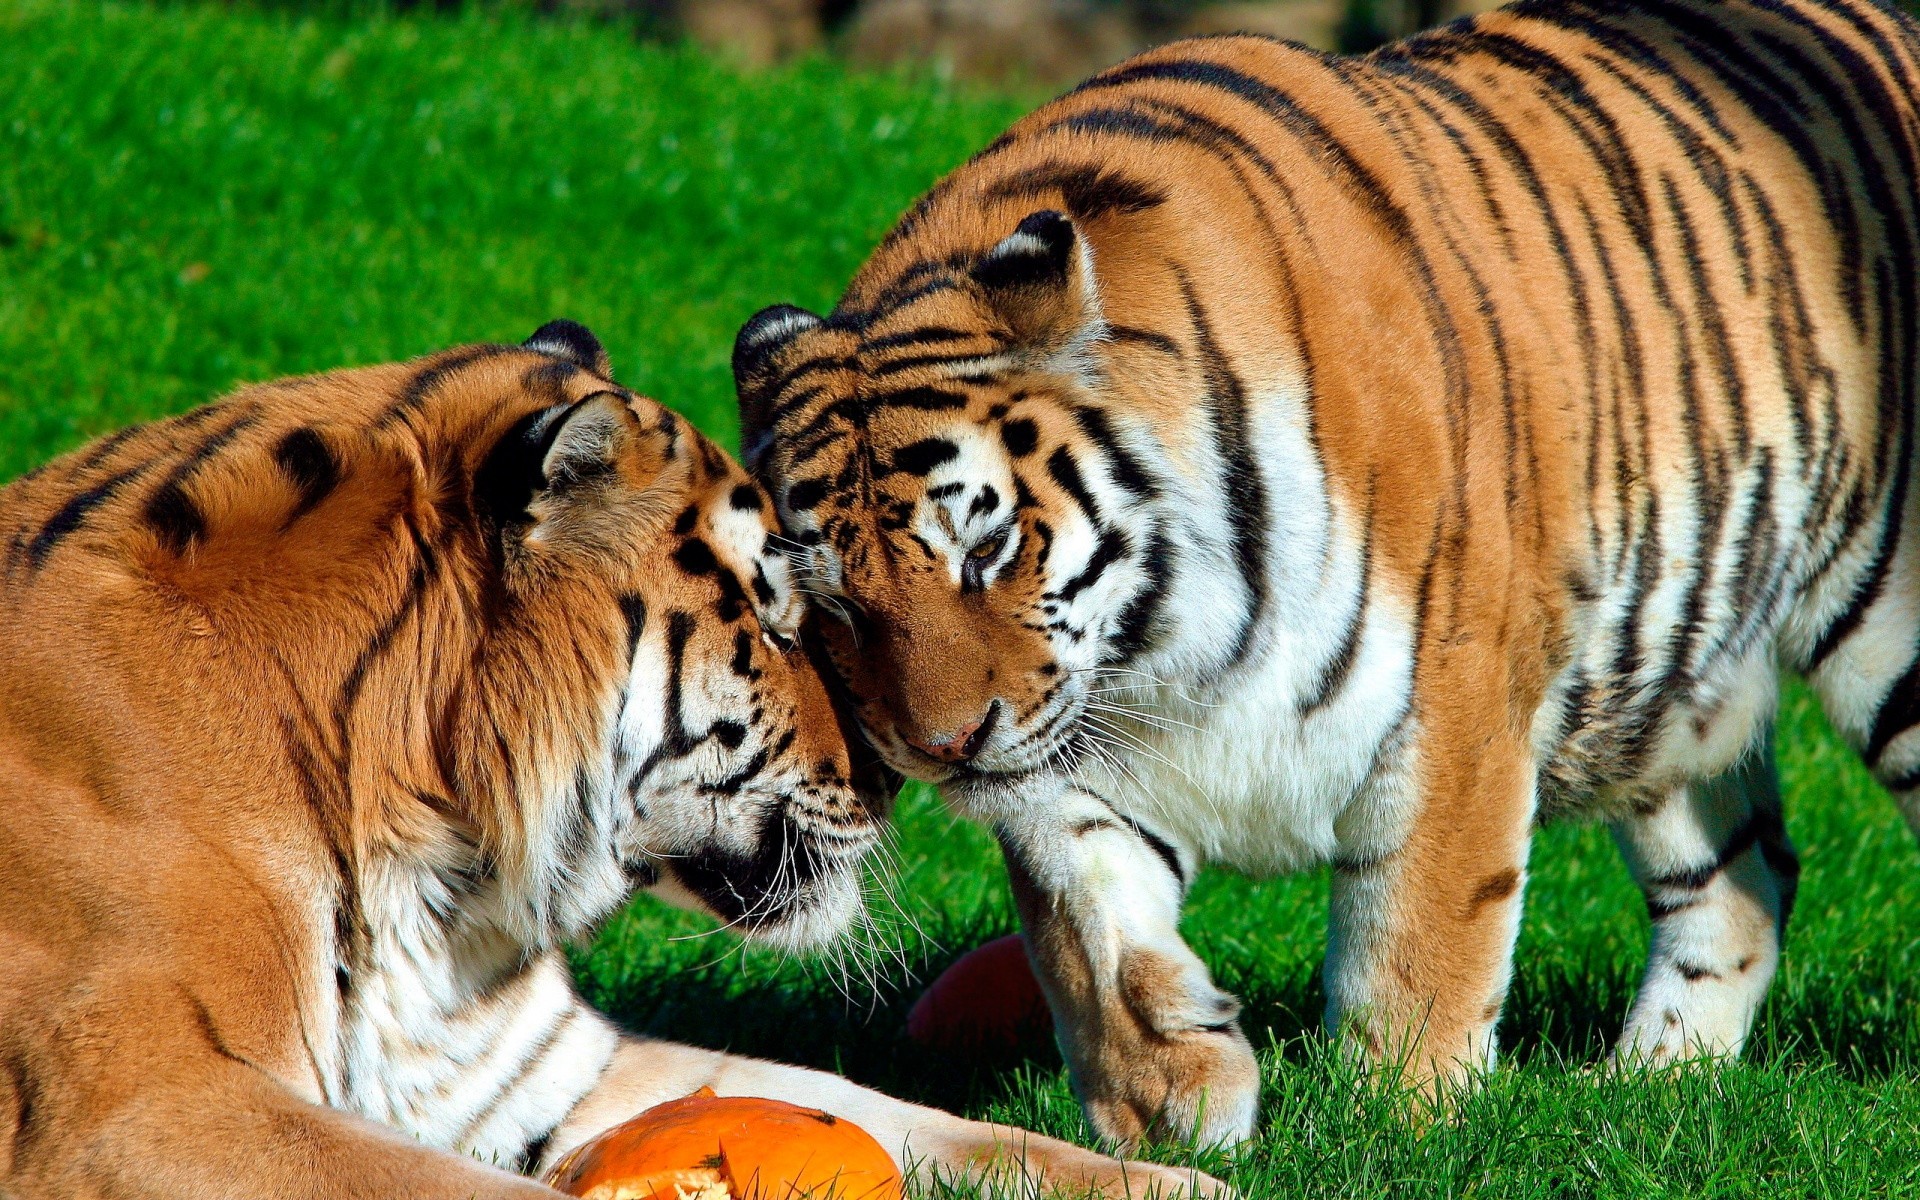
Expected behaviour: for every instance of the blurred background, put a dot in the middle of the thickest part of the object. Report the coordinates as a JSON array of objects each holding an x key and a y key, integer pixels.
[{"x": 1037, "y": 42}]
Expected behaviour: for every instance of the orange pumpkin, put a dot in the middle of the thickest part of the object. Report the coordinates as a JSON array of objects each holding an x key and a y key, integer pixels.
[{"x": 708, "y": 1147}]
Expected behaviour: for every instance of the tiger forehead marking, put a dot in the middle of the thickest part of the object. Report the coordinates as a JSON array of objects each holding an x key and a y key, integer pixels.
[{"x": 1402, "y": 448}]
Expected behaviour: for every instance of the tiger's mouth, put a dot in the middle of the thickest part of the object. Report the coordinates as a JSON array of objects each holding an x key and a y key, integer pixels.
[{"x": 800, "y": 887}]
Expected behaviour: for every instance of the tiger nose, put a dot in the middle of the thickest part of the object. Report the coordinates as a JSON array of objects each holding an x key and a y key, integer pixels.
[{"x": 963, "y": 743}]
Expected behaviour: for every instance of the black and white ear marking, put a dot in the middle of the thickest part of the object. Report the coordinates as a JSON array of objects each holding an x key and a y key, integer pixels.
[
  {"x": 548, "y": 451},
  {"x": 1039, "y": 280},
  {"x": 1037, "y": 253},
  {"x": 572, "y": 342},
  {"x": 765, "y": 334},
  {"x": 585, "y": 440},
  {"x": 758, "y": 343}
]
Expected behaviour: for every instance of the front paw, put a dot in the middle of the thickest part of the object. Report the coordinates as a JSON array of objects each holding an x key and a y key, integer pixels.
[
  {"x": 1165, "y": 1059},
  {"x": 1202, "y": 1085}
]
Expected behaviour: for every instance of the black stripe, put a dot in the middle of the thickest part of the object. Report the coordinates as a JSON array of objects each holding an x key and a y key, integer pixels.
[
  {"x": 633, "y": 609},
  {"x": 548, "y": 380},
  {"x": 1020, "y": 436},
  {"x": 1133, "y": 630},
  {"x": 1112, "y": 548},
  {"x": 74, "y": 513},
  {"x": 1089, "y": 191},
  {"x": 98, "y": 452},
  {"x": 1899, "y": 712},
  {"x": 1743, "y": 840},
  {"x": 579, "y": 825},
  {"x": 175, "y": 519},
  {"x": 529, "y": 1063},
  {"x": 436, "y": 371},
  {"x": 922, "y": 399},
  {"x": 173, "y": 515},
  {"x": 921, "y": 457},
  {"x": 528, "y": 1160},
  {"x": 1144, "y": 337},
  {"x": 310, "y": 465},
  {"x": 917, "y": 336},
  {"x": 1334, "y": 675},
  {"x": 1659, "y": 910},
  {"x": 677, "y": 740},
  {"x": 203, "y": 1017},
  {"x": 1066, "y": 473},
  {"x": 1867, "y": 592},
  {"x": 1246, "y": 491},
  {"x": 1159, "y": 845},
  {"x": 1904, "y": 782},
  {"x": 1124, "y": 467},
  {"x": 745, "y": 774},
  {"x": 424, "y": 567},
  {"x": 806, "y": 495}
]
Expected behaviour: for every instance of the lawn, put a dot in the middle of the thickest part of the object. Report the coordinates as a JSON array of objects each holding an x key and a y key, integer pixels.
[{"x": 194, "y": 196}]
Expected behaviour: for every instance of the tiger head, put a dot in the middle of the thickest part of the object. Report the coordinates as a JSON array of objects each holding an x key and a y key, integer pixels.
[
  {"x": 725, "y": 779},
  {"x": 527, "y": 635},
  {"x": 977, "y": 530}
]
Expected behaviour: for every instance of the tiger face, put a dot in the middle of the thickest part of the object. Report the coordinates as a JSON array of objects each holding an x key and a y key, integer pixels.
[
  {"x": 731, "y": 784},
  {"x": 981, "y": 571}
]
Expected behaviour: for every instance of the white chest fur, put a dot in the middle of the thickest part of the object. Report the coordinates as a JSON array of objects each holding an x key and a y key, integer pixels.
[
  {"x": 1290, "y": 759},
  {"x": 458, "y": 1039}
]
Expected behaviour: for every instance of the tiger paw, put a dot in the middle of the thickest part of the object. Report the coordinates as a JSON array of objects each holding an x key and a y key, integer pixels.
[{"x": 1199, "y": 1085}]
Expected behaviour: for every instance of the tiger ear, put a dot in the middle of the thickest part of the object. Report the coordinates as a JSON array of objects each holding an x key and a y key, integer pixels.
[
  {"x": 588, "y": 441},
  {"x": 574, "y": 343},
  {"x": 1039, "y": 280},
  {"x": 566, "y": 457},
  {"x": 756, "y": 351}
]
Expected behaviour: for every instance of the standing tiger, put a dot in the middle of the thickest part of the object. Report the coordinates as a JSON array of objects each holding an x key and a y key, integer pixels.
[
  {"x": 1270, "y": 458},
  {"x": 327, "y": 712}
]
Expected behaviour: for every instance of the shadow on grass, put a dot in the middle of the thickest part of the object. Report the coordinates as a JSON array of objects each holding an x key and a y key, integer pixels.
[{"x": 812, "y": 1014}]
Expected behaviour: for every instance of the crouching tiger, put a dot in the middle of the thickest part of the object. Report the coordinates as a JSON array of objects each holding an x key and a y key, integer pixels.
[
  {"x": 327, "y": 712},
  {"x": 1264, "y": 457}
]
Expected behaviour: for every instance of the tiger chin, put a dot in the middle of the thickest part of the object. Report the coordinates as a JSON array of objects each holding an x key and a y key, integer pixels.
[
  {"x": 1280, "y": 459},
  {"x": 328, "y": 712}
]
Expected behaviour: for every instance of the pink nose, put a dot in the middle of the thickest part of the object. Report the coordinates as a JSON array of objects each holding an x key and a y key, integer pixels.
[{"x": 960, "y": 745}]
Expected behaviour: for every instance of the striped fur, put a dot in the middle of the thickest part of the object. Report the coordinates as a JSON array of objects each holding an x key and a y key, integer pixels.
[
  {"x": 327, "y": 713},
  {"x": 1271, "y": 458}
]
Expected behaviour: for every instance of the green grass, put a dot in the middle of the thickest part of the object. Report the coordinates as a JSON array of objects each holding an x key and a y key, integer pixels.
[{"x": 191, "y": 197}]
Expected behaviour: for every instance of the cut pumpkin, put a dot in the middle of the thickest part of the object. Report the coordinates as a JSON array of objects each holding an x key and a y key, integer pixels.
[{"x": 708, "y": 1147}]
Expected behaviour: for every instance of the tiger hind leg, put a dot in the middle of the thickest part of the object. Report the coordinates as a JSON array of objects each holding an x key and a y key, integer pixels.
[{"x": 1719, "y": 877}]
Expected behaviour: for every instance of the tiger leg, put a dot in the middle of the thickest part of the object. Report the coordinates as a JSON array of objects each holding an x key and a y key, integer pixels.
[
  {"x": 1420, "y": 945},
  {"x": 1153, "y": 1046},
  {"x": 1719, "y": 877},
  {"x": 133, "y": 1090},
  {"x": 933, "y": 1144}
]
